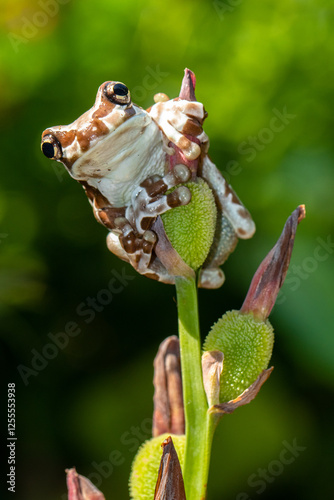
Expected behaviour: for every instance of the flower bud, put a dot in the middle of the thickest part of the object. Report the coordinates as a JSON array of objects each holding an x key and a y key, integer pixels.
[
  {"x": 190, "y": 228},
  {"x": 246, "y": 337},
  {"x": 247, "y": 345}
]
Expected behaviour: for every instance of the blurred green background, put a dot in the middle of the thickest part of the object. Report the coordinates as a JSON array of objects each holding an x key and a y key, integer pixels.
[{"x": 91, "y": 404}]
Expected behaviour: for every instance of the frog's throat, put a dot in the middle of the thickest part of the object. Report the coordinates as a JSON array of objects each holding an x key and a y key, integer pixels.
[{"x": 123, "y": 159}]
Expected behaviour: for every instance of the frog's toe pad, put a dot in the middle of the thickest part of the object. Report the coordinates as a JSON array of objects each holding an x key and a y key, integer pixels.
[
  {"x": 180, "y": 196},
  {"x": 212, "y": 277}
]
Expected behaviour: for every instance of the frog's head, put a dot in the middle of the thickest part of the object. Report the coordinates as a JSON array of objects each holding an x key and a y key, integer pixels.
[{"x": 68, "y": 143}]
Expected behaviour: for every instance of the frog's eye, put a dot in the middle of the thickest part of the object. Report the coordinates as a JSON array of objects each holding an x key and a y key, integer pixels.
[
  {"x": 117, "y": 93},
  {"x": 51, "y": 147}
]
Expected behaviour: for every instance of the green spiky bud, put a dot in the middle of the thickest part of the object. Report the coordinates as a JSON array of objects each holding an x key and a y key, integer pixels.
[
  {"x": 247, "y": 344},
  {"x": 190, "y": 228},
  {"x": 145, "y": 466}
]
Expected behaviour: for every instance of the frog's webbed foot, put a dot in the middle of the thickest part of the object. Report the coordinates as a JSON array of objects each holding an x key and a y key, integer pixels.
[
  {"x": 143, "y": 259},
  {"x": 139, "y": 252},
  {"x": 179, "y": 119}
]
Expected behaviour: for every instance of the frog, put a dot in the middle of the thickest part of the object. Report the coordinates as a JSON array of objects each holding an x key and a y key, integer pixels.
[{"x": 128, "y": 159}]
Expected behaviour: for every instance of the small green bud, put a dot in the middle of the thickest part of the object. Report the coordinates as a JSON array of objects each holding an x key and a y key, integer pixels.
[
  {"x": 146, "y": 464},
  {"x": 191, "y": 228},
  {"x": 247, "y": 344}
]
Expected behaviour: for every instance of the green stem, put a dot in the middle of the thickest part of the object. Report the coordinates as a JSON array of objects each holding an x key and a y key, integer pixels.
[{"x": 199, "y": 424}]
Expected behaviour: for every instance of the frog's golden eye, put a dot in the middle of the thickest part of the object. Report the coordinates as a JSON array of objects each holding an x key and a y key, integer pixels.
[
  {"x": 51, "y": 147},
  {"x": 117, "y": 93}
]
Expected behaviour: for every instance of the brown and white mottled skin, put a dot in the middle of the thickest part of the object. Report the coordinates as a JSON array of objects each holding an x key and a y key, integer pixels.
[
  {"x": 127, "y": 158},
  {"x": 115, "y": 146}
]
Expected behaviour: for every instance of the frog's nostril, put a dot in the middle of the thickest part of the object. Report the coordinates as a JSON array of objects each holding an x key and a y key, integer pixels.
[{"x": 51, "y": 148}]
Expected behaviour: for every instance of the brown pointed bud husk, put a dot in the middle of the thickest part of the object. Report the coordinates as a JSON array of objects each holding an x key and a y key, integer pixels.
[
  {"x": 81, "y": 488},
  {"x": 246, "y": 397},
  {"x": 168, "y": 414},
  {"x": 170, "y": 482},
  {"x": 187, "y": 93},
  {"x": 188, "y": 85},
  {"x": 271, "y": 273},
  {"x": 212, "y": 367},
  {"x": 145, "y": 466}
]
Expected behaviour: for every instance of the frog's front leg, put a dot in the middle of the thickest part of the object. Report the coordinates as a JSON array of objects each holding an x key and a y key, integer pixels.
[
  {"x": 180, "y": 120},
  {"x": 233, "y": 222},
  {"x": 147, "y": 202},
  {"x": 131, "y": 238}
]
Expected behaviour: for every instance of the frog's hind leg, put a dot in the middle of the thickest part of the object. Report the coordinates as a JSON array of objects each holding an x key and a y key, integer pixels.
[
  {"x": 137, "y": 250},
  {"x": 139, "y": 253},
  {"x": 211, "y": 275},
  {"x": 227, "y": 200},
  {"x": 233, "y": 222}
]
